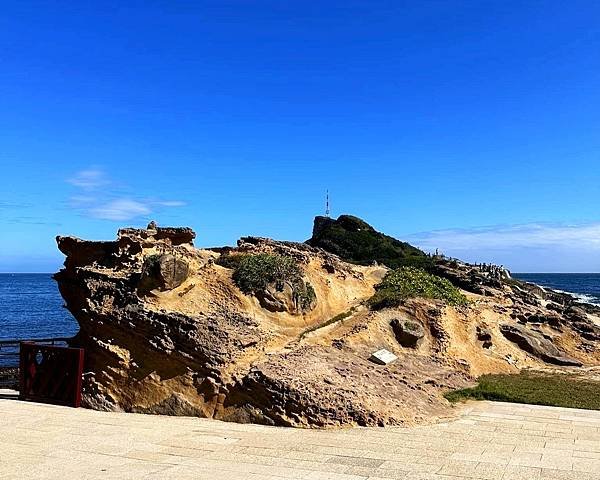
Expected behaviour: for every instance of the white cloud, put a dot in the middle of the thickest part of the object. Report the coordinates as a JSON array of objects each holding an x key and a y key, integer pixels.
[
  {"x": 171, "y": 203},
  {"x": 120, "y": 209},
  {"x": 89, "y": 179},
  {"x": 108, "y": 202},
  {"x": 534, "y": 235},
  {"x": 534, "y": 247}
]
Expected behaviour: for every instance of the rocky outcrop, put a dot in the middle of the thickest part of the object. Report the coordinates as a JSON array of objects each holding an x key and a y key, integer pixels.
[
  {"x": 318, "y": 386},
  {"x": 535, "y": 343},
  {"x": 484, "y": 335},
  {"x": 168, "y": 329},
  {"x": 466, "y": 277}
]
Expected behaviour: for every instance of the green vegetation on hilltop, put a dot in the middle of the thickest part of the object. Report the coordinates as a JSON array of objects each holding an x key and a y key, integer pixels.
[
  {"x": 558, "y": 390},
  {"x": 354, "y": 240},
  {"x": 254, "y": 273},
  {"x": 410, "y": 282}
]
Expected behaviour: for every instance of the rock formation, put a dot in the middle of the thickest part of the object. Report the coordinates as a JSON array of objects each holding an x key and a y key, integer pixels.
[
  {"x": 407, "y": 332},
  {"x": 281, "y": 333}
]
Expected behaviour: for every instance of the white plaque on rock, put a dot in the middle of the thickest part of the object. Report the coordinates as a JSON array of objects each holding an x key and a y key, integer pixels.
[{"x": 383, "y": 357}]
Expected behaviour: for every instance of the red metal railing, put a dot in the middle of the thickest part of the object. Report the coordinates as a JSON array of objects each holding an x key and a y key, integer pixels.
[
  {"x": 9, "y": 358},
  {"x": 50, "y": 374}
]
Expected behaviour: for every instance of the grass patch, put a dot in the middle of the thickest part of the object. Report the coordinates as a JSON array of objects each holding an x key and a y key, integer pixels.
[
  {"x": 557, "y": 390},
  {"x": 410, "y": 282},
  {"x": 255, "y": 273}
]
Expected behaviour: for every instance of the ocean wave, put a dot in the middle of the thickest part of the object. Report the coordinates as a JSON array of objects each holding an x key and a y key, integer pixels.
[
  {"x": 586, "y": 298},
  {"x": 582, "y": 297}
]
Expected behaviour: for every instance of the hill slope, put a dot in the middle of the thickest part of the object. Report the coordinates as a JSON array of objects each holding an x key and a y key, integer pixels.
[{"x": 355, "y": 241}]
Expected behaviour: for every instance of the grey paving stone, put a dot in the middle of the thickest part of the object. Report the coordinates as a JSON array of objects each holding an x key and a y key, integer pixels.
[{"x": 488, "y": 440}]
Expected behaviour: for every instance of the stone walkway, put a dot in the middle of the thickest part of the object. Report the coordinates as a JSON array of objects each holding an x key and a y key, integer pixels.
[{"x": 488, "y": 441}]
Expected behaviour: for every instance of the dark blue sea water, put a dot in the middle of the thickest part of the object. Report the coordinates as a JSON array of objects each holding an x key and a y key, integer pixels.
[
  {"x": 31, "y": 307},
  {"x": 585, "y": 286}
]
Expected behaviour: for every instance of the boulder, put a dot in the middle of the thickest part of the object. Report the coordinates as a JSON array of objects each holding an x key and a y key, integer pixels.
[
  {"x": 537, "y": 345},
  {"x": 163, "y": 272},
  {"x": 587, "y": 330},
  {"x": 408, "y": 333},
  {"x": 484, "y": 335},
  {"x": 576, "y": 314},
  {"x": 273, "y": 301}
]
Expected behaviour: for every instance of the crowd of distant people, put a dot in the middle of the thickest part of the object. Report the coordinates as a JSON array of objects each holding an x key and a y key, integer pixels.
[{"x": 493, "y": 271}]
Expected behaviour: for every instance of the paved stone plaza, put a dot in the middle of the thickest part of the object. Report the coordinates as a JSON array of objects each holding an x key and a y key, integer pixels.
[{"x": 488, "y": 441}]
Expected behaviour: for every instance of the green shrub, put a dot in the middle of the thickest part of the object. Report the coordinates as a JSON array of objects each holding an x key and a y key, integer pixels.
[
  {"x": 304, "y": 295},
  {"x": 255, "y": 273},
  {"x": 410, "y": 282},
  {"x": 230, "y": 260}
]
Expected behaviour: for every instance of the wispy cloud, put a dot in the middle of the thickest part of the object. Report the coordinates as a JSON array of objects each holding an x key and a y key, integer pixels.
[
  {"x": 97, "y": 196},
  {"x": 120, "y": 209},
  {"x": 31, "y": 220},
  {"x": 14, "y": 205},
  {"x": 171, "y": 203},
  {"x": 531, "y": 235},
  {"x": 89, "y": 179}
]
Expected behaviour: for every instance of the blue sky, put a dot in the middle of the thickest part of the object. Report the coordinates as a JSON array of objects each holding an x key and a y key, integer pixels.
[{"x": 468, "y": 126}]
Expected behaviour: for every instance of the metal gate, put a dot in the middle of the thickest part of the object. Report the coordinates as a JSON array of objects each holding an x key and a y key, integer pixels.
[{"x": 50, "y": 374}]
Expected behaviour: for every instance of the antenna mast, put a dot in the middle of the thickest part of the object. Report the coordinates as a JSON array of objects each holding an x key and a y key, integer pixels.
[{"x": 327, "y": 204}]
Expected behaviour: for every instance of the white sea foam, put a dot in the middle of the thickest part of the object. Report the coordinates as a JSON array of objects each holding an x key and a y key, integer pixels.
[
  {"x": 587, "y": 298},
  {"x": 582, "y": 297}
]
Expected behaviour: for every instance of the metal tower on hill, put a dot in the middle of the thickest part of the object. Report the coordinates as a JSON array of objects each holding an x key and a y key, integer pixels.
[{"x": 327, "y": 204}]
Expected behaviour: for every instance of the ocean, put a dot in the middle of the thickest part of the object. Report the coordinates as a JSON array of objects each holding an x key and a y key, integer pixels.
[
  {"x": 31, "y": 307},
  {"x": 585, "y": 286}
]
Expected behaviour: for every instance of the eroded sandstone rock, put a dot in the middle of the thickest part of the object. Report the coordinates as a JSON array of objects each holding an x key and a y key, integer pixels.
[
  {"x": 164, "y": 272},
  {"x": 535, "y": 343},
  {"x": 484, "y": 335},
  {"x": 407, "y": 332},
  {"x": 167, "y": 330}
]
